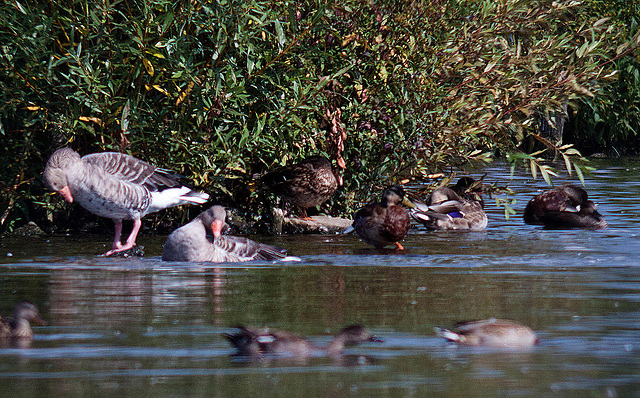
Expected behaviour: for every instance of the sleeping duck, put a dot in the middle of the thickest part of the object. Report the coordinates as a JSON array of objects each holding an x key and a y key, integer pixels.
[
  {"x": 566, "y": 206},
  {"x": 445, "y": 210}
]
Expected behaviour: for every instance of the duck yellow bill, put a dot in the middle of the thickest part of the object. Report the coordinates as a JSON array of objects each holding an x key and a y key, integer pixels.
[{"x": 408, "y": 203}]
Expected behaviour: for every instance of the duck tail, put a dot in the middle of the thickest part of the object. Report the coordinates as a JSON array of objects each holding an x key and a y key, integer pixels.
[{"x": 447, "y": 334}]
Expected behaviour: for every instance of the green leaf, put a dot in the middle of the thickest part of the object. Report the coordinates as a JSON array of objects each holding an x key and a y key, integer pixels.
[{"x": 280, "y": 33}]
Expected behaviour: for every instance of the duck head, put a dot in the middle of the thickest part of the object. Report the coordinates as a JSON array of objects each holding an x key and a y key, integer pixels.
[{"x": 392, "y": 196}]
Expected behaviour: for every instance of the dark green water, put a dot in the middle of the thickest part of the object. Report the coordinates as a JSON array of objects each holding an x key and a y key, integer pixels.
[{"x": 141, "y": 327}]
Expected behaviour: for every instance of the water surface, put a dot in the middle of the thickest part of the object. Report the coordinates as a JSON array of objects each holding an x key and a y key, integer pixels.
[{"x": 141, "y": 327}]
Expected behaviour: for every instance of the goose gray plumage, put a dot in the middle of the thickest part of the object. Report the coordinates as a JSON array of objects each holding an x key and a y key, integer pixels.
[
  {"x": 446, "y": 210},
  {"x": 490, "y": 333},
  {"x": 202, "y": 240},
  {"x": 566, "y": 206},
  {"x": 255, "y": 341},
  {"x": 117, "y": 186},
  {"x": 306, "y": 184},
  {"x": 20, "y": 326}
]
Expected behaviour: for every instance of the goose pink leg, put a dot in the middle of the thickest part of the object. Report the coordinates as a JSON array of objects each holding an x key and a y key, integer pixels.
[{"x": 131, "y": 240}]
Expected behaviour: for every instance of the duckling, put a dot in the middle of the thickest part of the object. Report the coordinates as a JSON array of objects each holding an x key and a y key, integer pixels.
[
  {"x": 490, "y": 333},
  {"x": 447, "y": 210},
  {"x": 566, "y": 206},
  {"x": 309, "y": 183},
  {"x": 384, "y": 223},
  {"x": 20, "y": 327},
  {"x": 252, "y": 341}
]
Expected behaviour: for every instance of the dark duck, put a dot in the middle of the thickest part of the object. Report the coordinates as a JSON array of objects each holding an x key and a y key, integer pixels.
[
  {"x": 383, "y": 223},
  {"x": 567, "y": 206}
]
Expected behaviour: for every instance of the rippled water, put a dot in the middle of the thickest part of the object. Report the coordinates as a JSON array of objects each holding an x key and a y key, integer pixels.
[{"x": 143, "y": 327}]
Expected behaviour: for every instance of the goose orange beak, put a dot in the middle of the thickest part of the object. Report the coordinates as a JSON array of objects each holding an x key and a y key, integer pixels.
[
  {"x": 216, "y": 227},
  {"x": 66, "y": 194}
]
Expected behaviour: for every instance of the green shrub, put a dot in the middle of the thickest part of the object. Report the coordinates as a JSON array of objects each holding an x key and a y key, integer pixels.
[
  {"x": 610, "y": 122},
  {"x": 223, "y": 90}
]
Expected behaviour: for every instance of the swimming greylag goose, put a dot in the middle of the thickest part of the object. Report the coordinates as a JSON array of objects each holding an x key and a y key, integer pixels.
[
  {"x": 446, "y": 210},
  {"x": 306, "y": 184},
  {"x": 253, "y": 341},
  {"x": 192, "y": 243},
  {"x": 566, "y": 206},
  {"x": 116, "y": 186},
  {"x": 384, "y": 223},
  {"x": 491, "y": 333},
  {"x": 20, "y": 326}
]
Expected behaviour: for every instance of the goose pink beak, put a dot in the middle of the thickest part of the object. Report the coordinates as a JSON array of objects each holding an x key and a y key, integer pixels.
[{"x": 66, "y": 194}]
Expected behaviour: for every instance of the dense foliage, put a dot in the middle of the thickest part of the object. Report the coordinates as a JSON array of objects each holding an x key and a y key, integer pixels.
[
  {"x": 610, "y": 122},
  {"x": 223, "y": 90}
]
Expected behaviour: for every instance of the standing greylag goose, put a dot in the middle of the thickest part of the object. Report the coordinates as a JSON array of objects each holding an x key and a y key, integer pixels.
[
  {"x": 445, "y": 210},
  {"x": 20, "y": 326},
  {"x": 306, "y": 184},
  {"x": 490, "y": 333},
  {"x": 384, "y": 223},
  {"x": 116, "y": 186},
  {"x": 566, "y": 206},
  {"x": 252, "y": 341},
  {"x": 191, "y": 243}
]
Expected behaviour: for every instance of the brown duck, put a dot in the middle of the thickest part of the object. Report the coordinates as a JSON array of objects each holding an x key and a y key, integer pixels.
[
  {"x": 19, "y": 327},
  {"x": 306, "y": 184},
  {"x": 567, "y": 206},
  {"x": 384, "y": 223},
  {"x": 255, "y": 341},
  {"x": 201, "y": 240},
  {"x": 490, "y": 333}
]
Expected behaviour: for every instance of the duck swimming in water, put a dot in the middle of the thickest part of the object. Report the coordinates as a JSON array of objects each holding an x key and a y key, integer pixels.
[
  {"x": 446, "y": 210},
  {"x": 490, "y": 333},
  {"x": 254, "y": 341},
  {"x": 19, "y": 327}
]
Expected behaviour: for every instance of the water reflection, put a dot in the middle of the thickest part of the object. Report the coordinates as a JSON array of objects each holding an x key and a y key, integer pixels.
[{"x": 141, "y": 326}]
